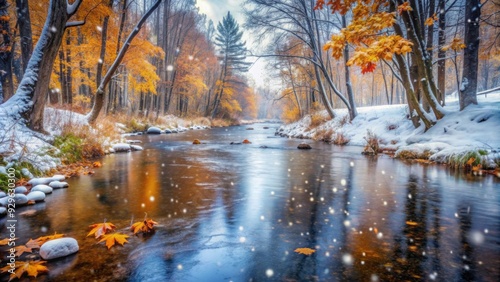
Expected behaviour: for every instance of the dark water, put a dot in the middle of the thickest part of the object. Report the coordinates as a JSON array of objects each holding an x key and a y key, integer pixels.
[{"x": 238, "y": 212}]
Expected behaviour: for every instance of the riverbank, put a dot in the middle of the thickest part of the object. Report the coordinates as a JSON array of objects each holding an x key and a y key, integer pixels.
[{"x": 462, "y": 138}]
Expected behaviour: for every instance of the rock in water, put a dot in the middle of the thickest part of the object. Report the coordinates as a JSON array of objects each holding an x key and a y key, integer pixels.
[
  {"x": 121, "y": 147},
  {"x": 36, "y": 196},
  {"x": 59, "y": 248},
  {"x": 42, "y": 188},
  {"x": 153, "y": 130},
  {"x": 38, "y": 181},
  {"x": 58, "y": 184},
  {"x": 246, "y": 141},
  {"x": 3, "y": 211},
  {"x": 136, "y": 148},
  {"x": 196, "y": 142},
  {"x": 58, "y": 177},
  {"x": 304, "y": 146}
]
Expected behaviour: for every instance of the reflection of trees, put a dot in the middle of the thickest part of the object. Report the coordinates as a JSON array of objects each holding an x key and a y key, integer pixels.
[{"x": 468, "y": 272}]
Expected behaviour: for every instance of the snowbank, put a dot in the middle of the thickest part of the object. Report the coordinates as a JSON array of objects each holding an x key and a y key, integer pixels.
[{"x": 475, "y": 128}]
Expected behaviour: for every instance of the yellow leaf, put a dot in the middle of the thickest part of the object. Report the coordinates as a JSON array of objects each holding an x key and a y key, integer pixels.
[
  {"x": 412, "y": 223},
  {"x": 6, "y": 241},
  {"x": 305, "y": 251},
  {"x": 100, "y": 229},
  {"x": 32, "y": 268},
  {"x": 145, "y": 226},
  {"x": 113, "y": 238},
  {"x": 429, "y": 21}
]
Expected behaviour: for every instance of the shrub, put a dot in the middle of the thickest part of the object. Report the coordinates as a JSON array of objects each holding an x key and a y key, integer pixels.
[
  {"x": 372, "y": 146},
  {"x": 340, "y": 139},
  {"x": 344, "y": 120},
  {"x": 323, "y": 134},
  {"x": 316, "y": 119},
  {"x": 80, "y": 143}
]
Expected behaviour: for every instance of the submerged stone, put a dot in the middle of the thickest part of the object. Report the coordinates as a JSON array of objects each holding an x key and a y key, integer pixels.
[{"x": 304, "y": 146}]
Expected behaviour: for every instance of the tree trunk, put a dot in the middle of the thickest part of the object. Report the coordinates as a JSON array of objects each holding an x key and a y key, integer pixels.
[
  {"x": 353, "y": 112},
  {"x": 24, "y": 22},
  {"x": 441, "y": 69},
  {"x": 468, "y": 86},
  {"x": 5, "y": 53},
  {"x": 99, "y": 99}
]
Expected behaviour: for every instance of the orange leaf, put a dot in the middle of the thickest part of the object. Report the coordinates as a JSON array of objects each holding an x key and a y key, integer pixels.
[
  {"x": 21, "y": 250},
  {"x": 470, "y": 161},
  {"x": 43, "y": 239},
  {"x": 368, "y": 67},
  {"x": 412, "y": 223},
  {"x": 32, "y": 268},
  {"x": 6, "y": 241},
  {"x": 145, "y": 226},
  {"x": 305, "y": 251},
  {"x": 405, "y": 7},
  {"x": 113, "y": 238},
  {"x": 100, "y": 229},
  {"x": 429, "y": 21}
]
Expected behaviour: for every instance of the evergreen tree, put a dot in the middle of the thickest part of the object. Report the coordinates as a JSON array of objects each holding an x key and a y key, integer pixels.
[{"x": 232, "y": 54}]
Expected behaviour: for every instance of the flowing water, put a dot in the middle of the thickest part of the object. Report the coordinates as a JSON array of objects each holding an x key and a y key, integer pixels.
[{"x": 238, "y": 212}]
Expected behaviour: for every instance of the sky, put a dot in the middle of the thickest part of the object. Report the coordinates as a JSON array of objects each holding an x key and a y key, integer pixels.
[{"x": 216, "y": 10}]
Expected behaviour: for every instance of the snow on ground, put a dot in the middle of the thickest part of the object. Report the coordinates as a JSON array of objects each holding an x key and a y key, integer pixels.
[{"x": 475, "y": 128}]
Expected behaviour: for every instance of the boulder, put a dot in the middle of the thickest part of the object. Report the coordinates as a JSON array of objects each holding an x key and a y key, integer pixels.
[
  {"x": 42, "y": 188},
  {"x": 304, "y": 146},
  {"x": 153, "y": 130},
  {"x": 3, "y": 211},
  {"x": 59, "y": 248},
  {"x": 58, "y": 177},
  {"x": 2, "y": 194},
  {"x": 21, "y": 199},
  {"x": 38, "y": 181},
  {"x": 4, "y": 201},
  {"x": 168, "y": 131},
  {"x": 36, "y": 196},
  {"x": 121, "y": 147},
  {"x": 21, "y": 190},
  {"x": 136, "y": 148},
  {"x": 58, "y": 184}
]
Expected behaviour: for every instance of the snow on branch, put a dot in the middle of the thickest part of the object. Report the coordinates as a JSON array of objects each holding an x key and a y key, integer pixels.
[
  {"x": 74, "y": 23},
  {"x": 72, "y": 8}
]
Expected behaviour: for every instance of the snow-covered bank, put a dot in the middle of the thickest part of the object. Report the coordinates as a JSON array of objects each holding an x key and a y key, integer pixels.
[{"x": 477, "y": 128}]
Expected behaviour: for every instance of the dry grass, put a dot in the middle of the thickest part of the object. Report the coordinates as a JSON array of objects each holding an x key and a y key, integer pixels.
[
  {"x": 317, "y": 118},
  {"x": 412, "y": 155},
  {"x": 340, "y": 139},
  {"x": 323, "y": 134},
  {"x": 372, "y": 146}
]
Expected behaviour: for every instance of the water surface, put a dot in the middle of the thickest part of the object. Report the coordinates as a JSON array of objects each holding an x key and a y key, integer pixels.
[{"x": 238, "y": 212}]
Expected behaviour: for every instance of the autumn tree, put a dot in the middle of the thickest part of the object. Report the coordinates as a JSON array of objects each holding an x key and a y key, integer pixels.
[
  {"x": 7, "y": 85},
  {"x": 232, "y": 55}
]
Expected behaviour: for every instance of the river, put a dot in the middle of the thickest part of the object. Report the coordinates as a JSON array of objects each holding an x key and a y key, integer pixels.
[{"x": 238, "y": 212}]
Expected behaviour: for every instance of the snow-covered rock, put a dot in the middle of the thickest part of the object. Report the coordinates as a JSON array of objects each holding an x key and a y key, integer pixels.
[
  {"x": 21, "y": 189},
  {"x": 59, "y": 248},
  {"x": 134, "y": 141},
  {"x": 3, "y": 170},
  {"x": 2, "y": 194},
  {"x": 4, "y": 201},
  {"x": 36, "y": 196},
  {"x": 58, "y": 177},
  {"x": 26, "y": 173},
  {"x": 121, "y": 147},
  {"x": 136, "y": 148},
  {"x": 153, "y": 130},
  {"x": 42, "y": 180},
  {"x": 21, "y": 199},
  {"x": 42, "y": 188},
  {"x": 3, "y": 211},
  {"x": 58, "y": 184}
]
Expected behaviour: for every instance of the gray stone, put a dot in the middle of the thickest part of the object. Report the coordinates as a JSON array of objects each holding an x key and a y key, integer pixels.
[
  {"x": 2, "y": 194},
  {"x": 58, "y": 184},
  {"x": 168, "y": 131},
  {"x": 21, "y": 199},
  {"x": 121, "y": 147},
  {"x": 3, "y": 211},
  {"x": 59, "y": 248},
  {"x": 42, "y": 188},
  {"x": 153, "y": 130},
  {"x": 136, "y": 148},
  {"x": 38, "y": 181},
  {"x": 21, "y": 189},
  {"x": 4, "y": 201},
  {"x": 58, "y": 177},
  {"x": 304, "y": 146},
  {"x": 36, "y": 196}
]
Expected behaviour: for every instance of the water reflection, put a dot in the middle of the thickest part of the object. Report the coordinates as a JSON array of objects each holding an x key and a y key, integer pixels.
[{"x": 238, "y": 212}]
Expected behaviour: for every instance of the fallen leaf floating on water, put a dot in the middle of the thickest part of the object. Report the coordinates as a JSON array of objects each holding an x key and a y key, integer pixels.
[
  {"x": 32, "y": 268},
  {"x": 145, "y": 226},
  {"x": 305, "y": 251},
  {"x": 412, "y": 223},
  {"x": 100, "y": 229},
  {"x": 113, "y": 238},
  {"x": 21, "y": 250}
]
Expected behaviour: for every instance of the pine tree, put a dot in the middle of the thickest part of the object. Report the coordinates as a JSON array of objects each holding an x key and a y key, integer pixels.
[{"x": 232, "y": 54}]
